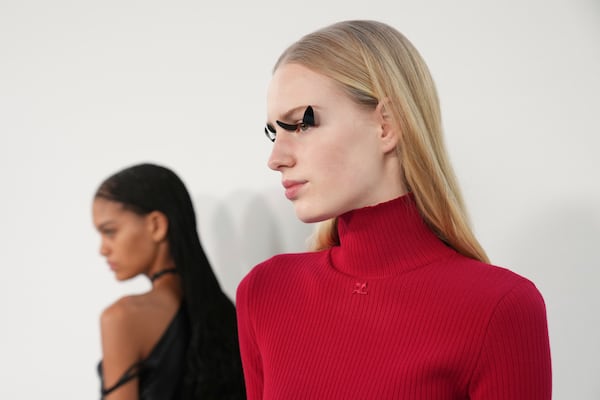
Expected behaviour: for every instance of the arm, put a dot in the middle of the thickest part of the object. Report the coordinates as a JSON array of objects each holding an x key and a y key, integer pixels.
[
  {"x": 514, "y": 363},
  {"x": 251, "y": 358},
  {"x": 119, "y": 350}
]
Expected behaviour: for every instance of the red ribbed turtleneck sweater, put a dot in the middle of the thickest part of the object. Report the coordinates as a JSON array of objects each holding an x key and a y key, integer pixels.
[{"x": 391, "y": 313}]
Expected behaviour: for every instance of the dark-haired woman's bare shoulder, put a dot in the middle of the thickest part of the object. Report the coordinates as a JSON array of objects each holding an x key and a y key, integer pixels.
[
  {"x": 142, "y": 318},
  {"x": 125, "y": 311},
  {"x": 123, "y": 318}
]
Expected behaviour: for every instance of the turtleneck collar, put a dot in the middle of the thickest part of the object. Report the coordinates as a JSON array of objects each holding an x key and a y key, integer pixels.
[{"x": 385, "y": 240}]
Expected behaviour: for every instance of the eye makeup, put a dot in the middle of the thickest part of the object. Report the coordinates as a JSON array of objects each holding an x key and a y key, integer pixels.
[{"x": 308, "y": 120}]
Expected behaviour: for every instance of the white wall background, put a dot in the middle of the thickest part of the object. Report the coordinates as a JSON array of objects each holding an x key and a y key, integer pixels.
[{"x": 87, "y": 88}]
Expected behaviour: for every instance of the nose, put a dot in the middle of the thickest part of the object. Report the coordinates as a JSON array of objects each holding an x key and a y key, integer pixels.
[
  {"x": 282, "y": 155},
  {"x": 104, "y": 250}
]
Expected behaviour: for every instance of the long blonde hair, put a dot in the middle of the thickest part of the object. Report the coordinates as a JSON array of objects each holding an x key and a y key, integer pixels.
[{"x": 374, "y": 62}]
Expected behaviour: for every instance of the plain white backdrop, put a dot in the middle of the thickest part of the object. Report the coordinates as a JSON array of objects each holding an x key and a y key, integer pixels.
[{"x": 89, "y": 87}]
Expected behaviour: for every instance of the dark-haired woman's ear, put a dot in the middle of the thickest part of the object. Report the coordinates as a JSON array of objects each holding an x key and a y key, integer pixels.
[
  {"x": 158, "y": 225},
  {"x": 389, "y": 134}
]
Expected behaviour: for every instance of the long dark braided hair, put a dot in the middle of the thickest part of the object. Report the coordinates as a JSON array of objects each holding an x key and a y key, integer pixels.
[{"x": 213, "y": 369}]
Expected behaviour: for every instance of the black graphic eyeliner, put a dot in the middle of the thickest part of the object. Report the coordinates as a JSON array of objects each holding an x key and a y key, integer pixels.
[{"x": 308, "y": 119}]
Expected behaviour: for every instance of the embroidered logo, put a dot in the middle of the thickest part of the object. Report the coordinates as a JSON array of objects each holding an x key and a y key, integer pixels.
[{"x": 360, "y": 288}]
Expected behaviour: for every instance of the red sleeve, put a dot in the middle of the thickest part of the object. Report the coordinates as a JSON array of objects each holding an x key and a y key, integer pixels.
[
  {"x": 514, "y": 363},
  {"x": 251, "y": 358}
]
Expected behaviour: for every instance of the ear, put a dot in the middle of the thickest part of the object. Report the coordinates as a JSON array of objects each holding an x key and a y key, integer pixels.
[
  {"x": 389, "y": 134},
  {"x": 158, "y": 224}
]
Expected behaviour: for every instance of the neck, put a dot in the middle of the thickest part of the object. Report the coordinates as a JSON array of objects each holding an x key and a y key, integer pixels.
[{"x": 385, "y": 240}]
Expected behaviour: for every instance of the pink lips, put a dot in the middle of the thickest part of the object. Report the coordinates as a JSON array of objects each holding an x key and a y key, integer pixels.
[{"x": 292, "y": 187}]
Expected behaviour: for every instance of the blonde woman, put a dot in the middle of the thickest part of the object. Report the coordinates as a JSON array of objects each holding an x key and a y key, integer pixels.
[{"x": 396, "y": 299}]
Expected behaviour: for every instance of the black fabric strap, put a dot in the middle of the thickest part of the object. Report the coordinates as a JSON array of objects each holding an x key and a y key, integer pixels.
[
  {"x": 163, "y": 272},
  {"x": 131, "y": 373}
]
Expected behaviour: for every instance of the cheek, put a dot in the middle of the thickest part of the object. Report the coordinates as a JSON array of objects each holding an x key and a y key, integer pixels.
[
  {"x": 348, "y": 158},
  {"x": 136, "y": 248}
]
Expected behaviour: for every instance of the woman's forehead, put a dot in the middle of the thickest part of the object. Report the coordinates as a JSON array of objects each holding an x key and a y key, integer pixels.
[{"x": 295, "y": 87}]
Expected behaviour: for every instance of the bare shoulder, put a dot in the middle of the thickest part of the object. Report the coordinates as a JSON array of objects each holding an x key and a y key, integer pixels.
[
  {"x": 122, "y": 313},
  {"x": 135, "y": 323},
  {"x": 119, "y": 326}
]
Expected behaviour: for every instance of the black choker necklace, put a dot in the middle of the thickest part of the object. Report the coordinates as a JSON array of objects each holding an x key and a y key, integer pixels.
[{"x": 158, "y": 274}]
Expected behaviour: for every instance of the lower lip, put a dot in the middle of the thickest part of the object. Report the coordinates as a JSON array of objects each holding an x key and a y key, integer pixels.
[{"x": 292, "y": 192}]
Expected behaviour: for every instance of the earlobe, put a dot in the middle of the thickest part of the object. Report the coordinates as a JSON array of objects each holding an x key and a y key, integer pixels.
[{"x": 159, "y": 225}]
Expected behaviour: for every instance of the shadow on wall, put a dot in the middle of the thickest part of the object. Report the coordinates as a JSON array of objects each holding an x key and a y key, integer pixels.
[
  {"x": 558, "y": 250},
  {"x": 245, "y": 228}
]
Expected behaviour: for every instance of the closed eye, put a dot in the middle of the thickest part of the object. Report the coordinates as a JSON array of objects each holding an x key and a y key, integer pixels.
[{"x": 108, "y": 232}]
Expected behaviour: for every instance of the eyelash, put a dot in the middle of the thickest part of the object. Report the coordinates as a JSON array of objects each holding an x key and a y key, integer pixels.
[{"x": 308, "y": 121}]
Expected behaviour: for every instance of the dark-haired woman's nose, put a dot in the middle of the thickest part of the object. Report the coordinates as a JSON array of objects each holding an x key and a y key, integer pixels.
[
  {"x": 282, "y": 155},
  {"x": 104, "y": 249}
]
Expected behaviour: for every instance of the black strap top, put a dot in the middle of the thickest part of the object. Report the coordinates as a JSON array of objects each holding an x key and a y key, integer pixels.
[{"x": 161, "y": 374}]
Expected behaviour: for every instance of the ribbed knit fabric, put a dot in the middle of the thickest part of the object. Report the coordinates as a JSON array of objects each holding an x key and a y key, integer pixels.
[{"x": 391, "y": 313}]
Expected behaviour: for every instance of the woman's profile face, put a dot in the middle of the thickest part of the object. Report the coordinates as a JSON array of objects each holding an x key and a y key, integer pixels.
[
  {"x": 334, "y": 166},
  {"x": 126, "y": 240}
]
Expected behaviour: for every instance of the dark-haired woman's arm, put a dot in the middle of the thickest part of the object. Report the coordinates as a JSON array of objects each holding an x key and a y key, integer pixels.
[{"x": 119, "y": 353}]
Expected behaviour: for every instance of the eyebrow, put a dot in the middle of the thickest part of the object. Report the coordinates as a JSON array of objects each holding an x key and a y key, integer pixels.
[{"x": 289, "y": 113}]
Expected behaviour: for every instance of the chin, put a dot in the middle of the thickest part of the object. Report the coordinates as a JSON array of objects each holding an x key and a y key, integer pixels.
[
  {"x": 311, "y": 216},
  {"x": 122, "y": 277}
]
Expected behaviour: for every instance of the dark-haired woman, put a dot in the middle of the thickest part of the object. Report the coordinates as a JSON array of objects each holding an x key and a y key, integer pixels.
[{"x": 178, "y": 340}]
